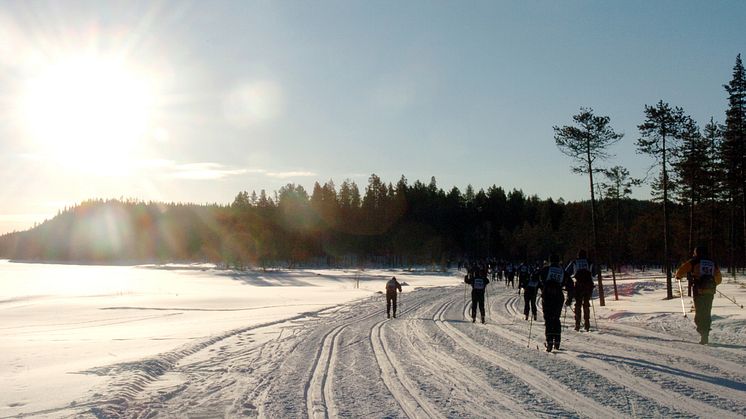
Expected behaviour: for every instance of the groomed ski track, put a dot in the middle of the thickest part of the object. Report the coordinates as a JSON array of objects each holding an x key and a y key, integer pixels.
[{"x": 430, "y": 362}]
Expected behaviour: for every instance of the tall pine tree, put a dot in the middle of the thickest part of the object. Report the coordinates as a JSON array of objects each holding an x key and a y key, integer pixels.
[
  {"x": 586, "y": 142},
  {"x": 734, "y": 150},
  {"x": 659, "y": 132}
]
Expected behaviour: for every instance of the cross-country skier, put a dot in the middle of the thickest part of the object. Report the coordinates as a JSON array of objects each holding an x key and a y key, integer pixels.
[
  {"x": 524, "y": 272},
  {"x": 509, "y": 274},
  {"x": 391, "y": 286},
  {"x": 706, "y": 277},
  {"x": 553, "y": 279},
  {"x": 581, "y": 269},
  {"x": 478, "y": 281},
  {"x": 530, "y": 287}
]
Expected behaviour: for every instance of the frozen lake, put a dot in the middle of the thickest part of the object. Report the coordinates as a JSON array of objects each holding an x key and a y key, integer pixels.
[{"x": 59, "y": 321}]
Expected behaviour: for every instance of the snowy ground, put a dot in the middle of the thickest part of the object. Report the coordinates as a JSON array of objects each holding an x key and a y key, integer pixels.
[{"x": 160, "y": 341}]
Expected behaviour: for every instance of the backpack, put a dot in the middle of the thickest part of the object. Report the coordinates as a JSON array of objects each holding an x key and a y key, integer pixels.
[
  {"x": 391, "y": 286},
  {"x": 706, "y": 279}
]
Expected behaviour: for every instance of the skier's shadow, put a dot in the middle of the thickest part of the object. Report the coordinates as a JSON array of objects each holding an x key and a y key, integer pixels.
[{"x": 640, "y": 363}]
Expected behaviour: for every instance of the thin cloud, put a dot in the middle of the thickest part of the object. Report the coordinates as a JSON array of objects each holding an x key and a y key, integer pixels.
[
  {"x": 204, "y": 171},
  {"x": 286, "y": 175}
]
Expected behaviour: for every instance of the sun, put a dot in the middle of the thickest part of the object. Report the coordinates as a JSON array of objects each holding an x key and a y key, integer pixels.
[{"x": 89, "y": 111}]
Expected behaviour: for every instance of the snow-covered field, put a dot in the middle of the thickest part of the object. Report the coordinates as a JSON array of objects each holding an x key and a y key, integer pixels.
[{"x": 191, "y": 341}]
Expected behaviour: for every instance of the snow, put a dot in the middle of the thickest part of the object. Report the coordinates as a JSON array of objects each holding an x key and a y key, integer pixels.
[{"x": 192, "y": 340}]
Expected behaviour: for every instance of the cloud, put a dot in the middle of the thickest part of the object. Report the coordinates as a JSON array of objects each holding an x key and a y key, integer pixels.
[
  {"x": 193, "y": 171},
  {"x": 211, "y": 170},
  {"x": 203, "y": 171},
  {"x": 286, "y": 175}
]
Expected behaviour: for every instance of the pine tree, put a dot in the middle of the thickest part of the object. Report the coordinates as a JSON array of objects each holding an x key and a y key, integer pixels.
[
  {"x": 586, "y": 143},
  {"x": 659, "y": 132},
  {"x": 713, "y": 135},
  {"x": 617, "y": 189},
  {"x": 692, "y": 164},
  {"x": 734, "y": 149}
]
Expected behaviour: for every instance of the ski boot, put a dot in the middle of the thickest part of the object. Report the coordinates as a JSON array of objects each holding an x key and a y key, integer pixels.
[
  {"x": 548, "y": 346},
  {"x": 482, "y": 319}
]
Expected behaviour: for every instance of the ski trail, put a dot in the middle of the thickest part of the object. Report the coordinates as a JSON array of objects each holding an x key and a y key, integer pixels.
[
  {"x": 478, "y": 397},
  {"x": 319, "y": 402},
  {"x": 657, "y": 383},
  {"x": 629, "y": 381},
  {"x": 393, "y": 376},
  {"x": 536, "y": 378}
]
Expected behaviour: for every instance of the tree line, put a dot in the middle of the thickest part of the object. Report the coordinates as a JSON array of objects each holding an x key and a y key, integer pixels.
[{"x": 698, "y": 197}]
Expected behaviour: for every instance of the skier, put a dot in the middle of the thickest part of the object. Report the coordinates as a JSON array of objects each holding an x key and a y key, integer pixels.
[
  {"x": 523, "y": 273},
  {"x": 552, "y": 279},
  {"x": 391, "y": 286},
  {"x": 478, "y": 281},
  {"x": 706, "y": 277},
  {"x": 581, "y": 269},
  {"x": 530, "y": 289},
  {"x": 509, "y": 274}
]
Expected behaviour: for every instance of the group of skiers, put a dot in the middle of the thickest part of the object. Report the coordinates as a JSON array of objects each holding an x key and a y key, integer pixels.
[
  {"x": 560, "y": 286},
  {"x": 552, "y": 280}
]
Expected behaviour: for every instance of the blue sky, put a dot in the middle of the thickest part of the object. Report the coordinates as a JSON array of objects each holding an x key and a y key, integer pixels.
[{"x": 251, "y": 95}]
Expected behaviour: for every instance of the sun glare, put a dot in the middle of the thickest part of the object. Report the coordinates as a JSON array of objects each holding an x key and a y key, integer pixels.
[{"x": 88, "y": 111}]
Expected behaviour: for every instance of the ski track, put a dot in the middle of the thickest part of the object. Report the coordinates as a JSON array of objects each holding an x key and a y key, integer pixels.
[
  {"x": 348, "y": 361},
  {"x": 672, "y": 369},
  {"x": 618, "y": 368}
]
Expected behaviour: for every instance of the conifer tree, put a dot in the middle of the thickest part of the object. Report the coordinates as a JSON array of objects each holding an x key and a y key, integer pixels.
[
  {"x": 659, "y": 132},
  {"x": 586, "y": 142},
  {"x": 734, "y": 149}
]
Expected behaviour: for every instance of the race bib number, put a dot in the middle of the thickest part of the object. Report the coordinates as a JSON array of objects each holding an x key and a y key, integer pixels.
[
  {"x": 555, "y": 275},
  {"x": 706, "y": 268},
  {"x": 581, "y": 264},
  {"x": 478, "y": 284},
  {"x": 533, "y": 283}
]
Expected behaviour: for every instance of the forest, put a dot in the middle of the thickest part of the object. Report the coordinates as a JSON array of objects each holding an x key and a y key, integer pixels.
[{"x": 698, "y": 186}]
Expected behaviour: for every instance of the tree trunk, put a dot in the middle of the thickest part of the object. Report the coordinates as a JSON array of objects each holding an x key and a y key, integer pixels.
[
  {"x": 666, "y": 232},
  {"x": 601, "y": 300}
]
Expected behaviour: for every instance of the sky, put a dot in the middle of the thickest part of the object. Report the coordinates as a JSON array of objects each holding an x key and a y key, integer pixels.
[{"x": 192, "y": 101}]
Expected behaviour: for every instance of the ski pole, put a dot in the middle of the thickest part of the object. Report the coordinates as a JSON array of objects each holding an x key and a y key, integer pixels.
[
  {"x": 463, "y": 312},
  {"x": 530, "y": 325},
  {"x": 681, "y": 294},
  {"x": 733, "y": 300},
  {"x": 593, "y": 306},
  {"x": 564, "y": 319}
]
